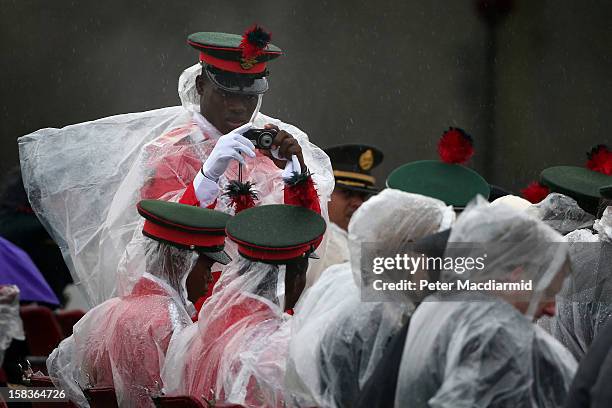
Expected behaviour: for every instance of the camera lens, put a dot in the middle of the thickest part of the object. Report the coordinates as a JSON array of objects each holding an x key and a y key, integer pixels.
[{"x": 265, "y": 140}]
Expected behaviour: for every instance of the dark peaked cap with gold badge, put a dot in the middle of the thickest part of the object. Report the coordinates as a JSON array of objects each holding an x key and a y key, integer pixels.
[
  {"x": 352, "y": 164},
  {"x": 236, "y": 63},
  {"x": 186, "y": 227}
]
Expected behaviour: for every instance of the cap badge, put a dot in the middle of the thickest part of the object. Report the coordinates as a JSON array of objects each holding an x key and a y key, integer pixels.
[
  {"x": 248, "y": 63},
  {"x": 366, "y": 160}
]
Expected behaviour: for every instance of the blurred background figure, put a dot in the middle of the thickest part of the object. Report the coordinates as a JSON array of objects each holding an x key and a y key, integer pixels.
[
  {"x": 20, "y": 226},
  {"x": 16, "y": 268},
  {"x": 11, "y": 327}
]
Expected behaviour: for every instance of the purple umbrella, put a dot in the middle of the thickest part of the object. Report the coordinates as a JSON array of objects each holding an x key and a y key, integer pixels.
[{"x": 16, "y": 268}]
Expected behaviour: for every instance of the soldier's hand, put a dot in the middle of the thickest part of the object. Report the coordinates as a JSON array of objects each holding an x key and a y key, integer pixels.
[{"x": 287, "y": 146}]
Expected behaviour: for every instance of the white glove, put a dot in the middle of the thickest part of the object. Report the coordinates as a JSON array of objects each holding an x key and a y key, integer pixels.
[
  {"x": 291, "y": 167},
  {"x": 229, "y": 147}
]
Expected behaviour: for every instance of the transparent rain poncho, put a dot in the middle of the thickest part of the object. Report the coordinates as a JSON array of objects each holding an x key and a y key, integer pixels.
[
  {"x": 84, "y": 181},
  {"x": 604, "y": 225},
  {"x": 10, "y": 321},
  {"x": 475, "y": 349},
  {"x": 123, "y": 341},
  {"x": 562, "y": 213},
  {"x": 237, "y": 350},
  {"x": 337, "y": 339},
  {"x": 584, "y": 305}
]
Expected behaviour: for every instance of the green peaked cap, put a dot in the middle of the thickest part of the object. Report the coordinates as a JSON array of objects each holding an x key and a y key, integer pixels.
[
  {"x": 454, "y": 184},
  {"x": 580, "y": 183},
  {"x": 186, "y": 226},
  {"x": 276, "y": 233}
]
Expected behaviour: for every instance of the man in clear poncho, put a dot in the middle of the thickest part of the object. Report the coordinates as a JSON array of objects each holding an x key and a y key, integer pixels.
[
  {"x": 591, "y": 385},
  {"x": 237, "y": 350},
  {"x": 337, "y": 337},
  {"x": 122, "y": 342},
  {"x": 84, "y": 180},
  {"x": 480, "y": 349},
  {"x": 584, "y": 304}
]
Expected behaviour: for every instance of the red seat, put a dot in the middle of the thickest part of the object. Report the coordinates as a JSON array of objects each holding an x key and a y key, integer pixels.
[
  {"x": 101, "y": 397},
  {"x": 42, "y": 331},
  {"x": 67, "y": 319},
  {"x": 177, "y": 402},
  {"x": 41, "y": 381}
]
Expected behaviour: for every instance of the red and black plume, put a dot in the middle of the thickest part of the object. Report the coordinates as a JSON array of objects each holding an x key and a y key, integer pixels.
[
  {"x": 455, "y": 146},
  {"x": 242, "y": 195},
  {"x": 600, "y": 159},
  {"x": 535, "y": 192},
  {"x": 254, "y": 41}
]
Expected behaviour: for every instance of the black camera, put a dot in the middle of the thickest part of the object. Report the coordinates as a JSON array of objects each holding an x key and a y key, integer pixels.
[{"x": 261, "y": 138}]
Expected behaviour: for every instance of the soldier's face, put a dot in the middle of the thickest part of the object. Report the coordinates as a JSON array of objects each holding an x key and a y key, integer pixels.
[
  {"x": 295, "y": 281},
  {"x": 546, "y": 305},
  {"x": 199, "y": 279},
  {"x": 343, "y": 204},
  {"x": 224, "y": 110}
]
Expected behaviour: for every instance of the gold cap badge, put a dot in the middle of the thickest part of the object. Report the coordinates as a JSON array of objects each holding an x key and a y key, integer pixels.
[{"x": 366, "y": 160}]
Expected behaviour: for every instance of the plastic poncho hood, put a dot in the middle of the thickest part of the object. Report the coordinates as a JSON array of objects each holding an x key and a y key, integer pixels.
[
  {"x": 513, "y": 247},
  {"x": 561, "y": 213}
]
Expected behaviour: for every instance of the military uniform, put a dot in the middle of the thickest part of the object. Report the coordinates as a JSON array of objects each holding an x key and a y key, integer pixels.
[
  {"x": 237, "y": 352},
  {"x": 122, "y": 343}
]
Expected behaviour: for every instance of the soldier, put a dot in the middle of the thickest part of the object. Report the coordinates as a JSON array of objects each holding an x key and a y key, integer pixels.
[
  {"x": 236, "y": 353},
  {"x": 122, "y": 342},
  {"x": 352, "y": 165},
  {"x": 85, "y": 180}
]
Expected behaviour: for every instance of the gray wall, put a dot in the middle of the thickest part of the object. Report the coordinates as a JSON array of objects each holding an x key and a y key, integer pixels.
[{"x": 392, "y": 73}]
